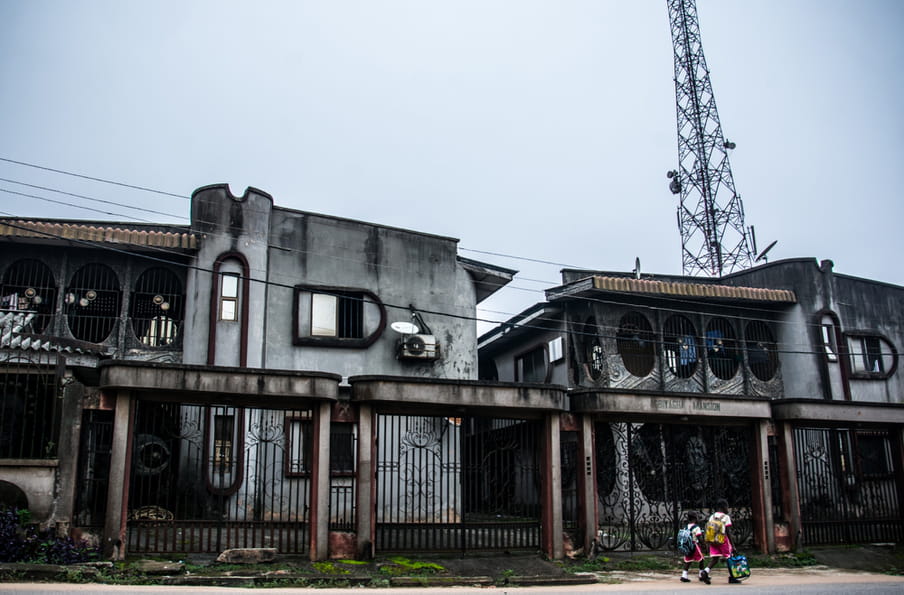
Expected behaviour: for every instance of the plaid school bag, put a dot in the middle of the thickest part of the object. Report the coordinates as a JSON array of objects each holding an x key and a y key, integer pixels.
[{"x": 738, "y": 567}]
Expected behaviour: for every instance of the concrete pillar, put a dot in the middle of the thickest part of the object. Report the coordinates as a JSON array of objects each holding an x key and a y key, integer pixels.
[
  {"x": 68, "y": 452},
  {"x": 587, "y": 481},
  {"x": 791, "y": 497},
  {"x": 365, "y": 505},
  {"x": 118, "y": 488},
  {"x": 320, "y": 483},
  {"x": 762, "y": 489},
  {"x": 551, "y": 520}
]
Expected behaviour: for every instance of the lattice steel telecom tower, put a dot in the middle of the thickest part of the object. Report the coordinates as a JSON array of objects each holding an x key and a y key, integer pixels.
[{"x": 714, "y": 240}]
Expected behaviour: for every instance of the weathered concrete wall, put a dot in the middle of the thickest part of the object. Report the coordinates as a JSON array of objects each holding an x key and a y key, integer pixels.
[
  {"x": 37, "y": 479},
  {"x": 286, "y": 248}
]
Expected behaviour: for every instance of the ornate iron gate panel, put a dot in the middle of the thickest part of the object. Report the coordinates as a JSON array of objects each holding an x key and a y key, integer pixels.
[
  {"x": 457, "y": 484},
  {"x": 209, "y": 478},
  {"x": 847, "y": 486},
  {"x": 650, "y": 475},
  {"x": 94, "y": 468}
]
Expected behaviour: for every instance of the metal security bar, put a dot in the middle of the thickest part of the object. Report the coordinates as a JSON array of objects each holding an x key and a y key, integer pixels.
[
  {"x": 30, "y": 404},
  {"x": 94, "y": 468},
  {"x": 847, "y": 486},
  {"x": 650, "y": 475},
  {"x": 156, "y": 308},
  {"x": 92, "y": 303},
  {"x": 209, "y": 478},
  {"x": 457, "y": 484},
  {"x": 28, "y": 288}
]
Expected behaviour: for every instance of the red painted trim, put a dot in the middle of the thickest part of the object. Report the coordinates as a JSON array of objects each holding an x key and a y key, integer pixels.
[
  {"x": 238, "y": 474},
  {"x": 214, "y": 314}
]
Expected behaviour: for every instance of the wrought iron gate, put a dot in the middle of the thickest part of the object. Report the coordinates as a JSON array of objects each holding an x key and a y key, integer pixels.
[
  {"x": 94, "y": 469},
  {"x": 847, "y": 487},
  {"x": 208, "y": 478},
  {"x": 457, "y": 484},
  {"x": 650, "y": 475}
]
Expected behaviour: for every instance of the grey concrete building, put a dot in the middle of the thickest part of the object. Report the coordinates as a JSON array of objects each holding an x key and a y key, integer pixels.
[{"x": 777, "y": 388}]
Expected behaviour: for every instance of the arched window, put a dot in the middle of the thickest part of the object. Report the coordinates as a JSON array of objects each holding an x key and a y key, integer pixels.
[
  {"x": 157, "y": 307},
  {"x": 29, "y": 287},
  {"x": 636, "y": 344},
  {"x": 761, "y": 352},
  {"x": 680, "y": 346},
  {"x": 721, "y": 348},
  {"x": 93, "y": 303}
]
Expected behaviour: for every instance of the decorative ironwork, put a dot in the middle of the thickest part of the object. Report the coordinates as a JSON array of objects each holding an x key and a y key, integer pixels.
[
  {"x": 846, "y": 486},
  {"x": 650, "y": 475}
]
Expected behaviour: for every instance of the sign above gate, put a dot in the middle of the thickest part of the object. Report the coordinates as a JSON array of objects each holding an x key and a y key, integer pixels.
[{"x": 615, "y": 403}]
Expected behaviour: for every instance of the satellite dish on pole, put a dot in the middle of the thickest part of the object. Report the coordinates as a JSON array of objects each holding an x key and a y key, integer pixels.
[{"x": 405, "y": 328}]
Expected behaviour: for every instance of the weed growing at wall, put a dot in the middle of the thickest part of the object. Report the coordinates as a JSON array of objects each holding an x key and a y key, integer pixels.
[{"x": 23, "y": 541}]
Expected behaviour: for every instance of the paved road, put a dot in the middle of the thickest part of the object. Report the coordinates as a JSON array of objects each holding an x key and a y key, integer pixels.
[{"x": 763, "y": 581}]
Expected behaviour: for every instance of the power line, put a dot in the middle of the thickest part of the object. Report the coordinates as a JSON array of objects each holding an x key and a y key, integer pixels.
[{"x": 92, "y": 178}]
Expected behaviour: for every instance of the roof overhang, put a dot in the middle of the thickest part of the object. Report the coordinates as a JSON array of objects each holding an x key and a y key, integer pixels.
[
  {"x": 170, "y": 237},
  {"x": 539, "y": 316},
  {"x": 700, "y": 291},
  {"x": 837, "y": 412},
  {"x": 488, "y": 279}
]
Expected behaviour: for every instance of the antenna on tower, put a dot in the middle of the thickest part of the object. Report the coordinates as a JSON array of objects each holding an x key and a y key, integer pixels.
[{"x": 710, "y": 212}]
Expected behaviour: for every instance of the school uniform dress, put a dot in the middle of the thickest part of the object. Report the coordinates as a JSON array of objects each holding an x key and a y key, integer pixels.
[
  {"x": 721, "y": 549},
  {"x": 697, "y": 554}
]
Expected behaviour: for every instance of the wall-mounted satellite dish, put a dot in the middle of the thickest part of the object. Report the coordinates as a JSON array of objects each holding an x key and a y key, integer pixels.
[{"x": 406, "y": 328}]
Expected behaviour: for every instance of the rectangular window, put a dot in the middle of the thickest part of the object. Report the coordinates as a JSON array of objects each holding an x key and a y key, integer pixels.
[
  {"x": 298, "y": 451},
  {"x": 29, "y": 414},
  {"x": 866, "y": 354},
  {"x": 223, "y": 435},
  {"x": 229, "y": 296},
  {"x": 875, "y": 454},
  {"x": 828, "y": 341},
  {"x": 531, "y": 367},
  {"x": 337, "y": 315}
]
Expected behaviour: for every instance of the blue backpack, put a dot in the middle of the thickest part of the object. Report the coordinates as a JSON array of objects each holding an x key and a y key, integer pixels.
[{"x": 685, "y": 542}]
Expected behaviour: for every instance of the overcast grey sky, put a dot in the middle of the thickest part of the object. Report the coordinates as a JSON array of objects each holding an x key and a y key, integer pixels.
[{"x": 536, "y": 129}]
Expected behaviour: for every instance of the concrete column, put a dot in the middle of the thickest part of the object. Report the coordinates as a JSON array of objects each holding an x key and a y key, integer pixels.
[
  {"x": 552, "y": 492},
  {"x": 320, "y": 484},
  {"x": 762, "y": 489},
  {"x": 365, "y": 505},
  {"x": 587, "y": 481},
  {"x": 791, "y": 497},
  {"x": 70, "y": 432},
  {"x": 118, "y": 488}
]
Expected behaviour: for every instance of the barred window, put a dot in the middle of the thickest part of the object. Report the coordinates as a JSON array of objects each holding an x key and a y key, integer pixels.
[
  {"x": 680, "y": 346},
  {"x": 29, "y": 288},
  {"x": 29, "y": 413},
  {"x": 92, "y": 302},
  {"x": 157, "y": 307},
  {"x": 636, "y": 344},
  {"x": 761, "y": 350},
  {"x": 721, "y": 348}
]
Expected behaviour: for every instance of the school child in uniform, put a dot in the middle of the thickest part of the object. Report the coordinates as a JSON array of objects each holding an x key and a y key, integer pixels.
[
  {"x": 720, "y": 548},
  {"x": 693, "y": 520}
]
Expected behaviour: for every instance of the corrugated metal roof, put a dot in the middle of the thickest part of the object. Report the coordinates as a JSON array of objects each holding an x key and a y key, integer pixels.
[
  {"x": 91, "y": 233},
  {"x": 15, "y": 333},
  {"x": 699, "y": 290}
]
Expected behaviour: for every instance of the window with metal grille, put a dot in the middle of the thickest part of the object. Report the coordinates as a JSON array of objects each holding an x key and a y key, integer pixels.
[
  {"x": 157, "y": 307},
  {"x": 532, "y": 366},
  {"x": 338, "y": 315},
  {"x": 871, "y": 355},
  {"x": 761, "y": 350},
  {"x": 29, "y": 289},
  {"x": 721, "y": 348},
  {"x": 680, "y": 346},
  {"x": 223, "y": 433},
  {"x": 636, "y": 344},
  {"x": 593, "y": 350},
  {"x": 342, "y": 449},
  {"x": 299, "y": 432},
  {"x": 92, "y": 303},
  {"x": 29, "y": 413}
]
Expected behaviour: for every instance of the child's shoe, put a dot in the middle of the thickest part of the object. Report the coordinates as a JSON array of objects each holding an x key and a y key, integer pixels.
[
  {"x": 704, "y": 577},
  {"x": 733, "y": 581},
  {"x": 684, "y": 579}
]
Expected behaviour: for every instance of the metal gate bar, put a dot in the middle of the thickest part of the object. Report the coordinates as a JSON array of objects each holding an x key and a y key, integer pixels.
[
  {"x": 209, "y": 478},
  {"x": 847, "y": 486}
]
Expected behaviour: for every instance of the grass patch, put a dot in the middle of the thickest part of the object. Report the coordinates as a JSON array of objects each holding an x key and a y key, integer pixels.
[{"x": 399, "y": 566}]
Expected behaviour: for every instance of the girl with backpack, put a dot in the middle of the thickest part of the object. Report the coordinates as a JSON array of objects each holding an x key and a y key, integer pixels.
[
  {"x": 689, "y": 544},
  {"x": 718, "y": 536}
]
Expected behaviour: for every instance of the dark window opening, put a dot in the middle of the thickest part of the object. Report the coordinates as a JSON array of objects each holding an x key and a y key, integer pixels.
[
  {"x": 29, "y": 290},
  {"x": 636, "y": 344},
  {"x": 157, "y": 307},
  {"x": 223, "y": 433},
  {"x": 532, "y": 366},
  {"x": 872, "y": 354},
  {"x": 29, "y": 415},
  {"x": 761, "y": 350},
  {"x": 593, "y": 350},
  {"x": 93, "y": 303},
  {"x": 875, "y": 455},
  {"x": 342, "y": 449},
  {"x": 721, "y": 349},
  {"x": 680, "y": 346}
]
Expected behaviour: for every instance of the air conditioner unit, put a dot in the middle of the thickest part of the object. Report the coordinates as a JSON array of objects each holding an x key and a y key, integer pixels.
[{"x": 418, "y": 347}]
